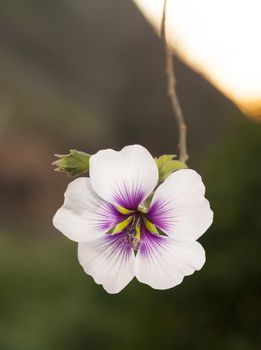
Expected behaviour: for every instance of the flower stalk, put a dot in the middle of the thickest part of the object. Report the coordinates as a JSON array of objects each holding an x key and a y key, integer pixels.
[{"x": 172, "y": 93}]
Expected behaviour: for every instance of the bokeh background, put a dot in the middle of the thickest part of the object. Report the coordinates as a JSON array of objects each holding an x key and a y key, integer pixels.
[{"x": 88, "y": 75}]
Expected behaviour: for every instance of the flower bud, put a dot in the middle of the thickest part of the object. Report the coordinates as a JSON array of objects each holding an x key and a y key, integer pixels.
[
  {"x": 73, "y": 164},
  {"x": 167, "y": 165}
]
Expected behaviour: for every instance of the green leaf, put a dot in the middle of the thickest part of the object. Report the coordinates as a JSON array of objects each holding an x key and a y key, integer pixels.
[
  {"x": 72, "y": 164},
  {"x": 167, "y": 165}
]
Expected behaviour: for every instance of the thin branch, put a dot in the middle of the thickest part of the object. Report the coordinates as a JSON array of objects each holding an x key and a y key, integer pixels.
[{"x": 171, "y": 90}]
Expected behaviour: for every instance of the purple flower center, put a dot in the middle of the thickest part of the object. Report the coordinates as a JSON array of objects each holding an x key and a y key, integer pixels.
[{"x": 137, "y": 225}]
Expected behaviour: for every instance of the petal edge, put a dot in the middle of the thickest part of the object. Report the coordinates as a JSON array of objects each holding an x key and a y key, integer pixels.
[{"x": 109, "y": 260}]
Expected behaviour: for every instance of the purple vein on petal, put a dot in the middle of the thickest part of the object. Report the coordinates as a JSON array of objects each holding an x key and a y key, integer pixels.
[
  {"x": 150, "y": 243},
  {"x": 122, "y": 247},
  {"x": 158, "y": 214},
  {"x": 129, "y": 198},
  {"x": 109, "y": 216}
]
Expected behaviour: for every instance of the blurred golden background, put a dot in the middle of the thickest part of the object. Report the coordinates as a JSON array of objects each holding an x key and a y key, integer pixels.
[
  {"x": 89, "y": 75},
  {"x": 218, "y": 39}
]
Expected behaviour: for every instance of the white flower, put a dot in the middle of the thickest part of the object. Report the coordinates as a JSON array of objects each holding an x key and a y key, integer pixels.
[{"x": 118, "y": 237}]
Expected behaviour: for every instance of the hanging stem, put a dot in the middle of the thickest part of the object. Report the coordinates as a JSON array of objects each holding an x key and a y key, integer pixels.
[{"x": 171, "y": 90}]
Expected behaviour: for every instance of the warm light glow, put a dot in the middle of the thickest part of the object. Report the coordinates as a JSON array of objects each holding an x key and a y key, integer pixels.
[{"x": 219, "y": 39}]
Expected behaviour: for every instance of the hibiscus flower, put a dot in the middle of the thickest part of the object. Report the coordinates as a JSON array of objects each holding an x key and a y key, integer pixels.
[{"x": 128, "y": 227}]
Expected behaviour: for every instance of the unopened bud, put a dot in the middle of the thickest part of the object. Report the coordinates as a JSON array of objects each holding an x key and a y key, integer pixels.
[
  {"x": 73, "y": 164},
  {"x": 167, "y": 165}
]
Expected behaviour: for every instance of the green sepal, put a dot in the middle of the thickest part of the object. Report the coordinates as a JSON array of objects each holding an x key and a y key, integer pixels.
[
  {"x": 167, "y": 165},
  {"x": 124, "y": 211},
  {"x": 138, "y": 232},
  {"x": 147, "y": 202},
  {"x": 122, "y": 225},
  {"x": 72, "y": 164},
  {"x": 150, "y": 226}
]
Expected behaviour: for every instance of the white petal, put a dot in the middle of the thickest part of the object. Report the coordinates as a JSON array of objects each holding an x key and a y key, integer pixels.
[
  {"x": 179, "y": 207},
  {"x": 84, "y": 215},
  {"x": 109, "y": 260},
  {"x": 124, "y": 178},
  {"x": 162, "y": 262}
]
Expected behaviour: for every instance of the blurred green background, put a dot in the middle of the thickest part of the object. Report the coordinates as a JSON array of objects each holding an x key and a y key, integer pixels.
[{"x": 88, "y": 75}]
